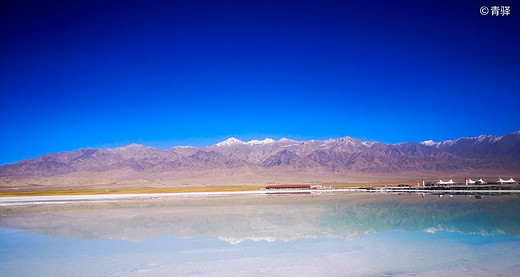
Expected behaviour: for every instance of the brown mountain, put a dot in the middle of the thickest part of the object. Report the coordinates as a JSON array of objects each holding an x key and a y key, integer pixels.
[{"x": 237, "y": 162}]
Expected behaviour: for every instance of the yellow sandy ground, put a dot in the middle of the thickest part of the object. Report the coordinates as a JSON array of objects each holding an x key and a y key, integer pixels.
[
  {"x": 156, "y": 190},
  {"x": 86, "y": 192}
]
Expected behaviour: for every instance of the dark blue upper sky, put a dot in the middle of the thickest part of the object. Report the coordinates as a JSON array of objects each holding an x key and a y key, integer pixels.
[{"x": 77, "y": 74}]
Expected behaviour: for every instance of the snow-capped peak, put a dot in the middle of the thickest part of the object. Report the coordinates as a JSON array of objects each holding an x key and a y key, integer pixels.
[
  {"x": 286, "y": 140},
  {"x": 476, "y": 140},
  {"x": 328, "y": 143},
  {"x": 491, "y": 138},
  {"x": 265, "y": 141},
  {"x": 229, "y": 142},
  {"x": 428, "y": 142},
  {"x": 368, "y": 143}
]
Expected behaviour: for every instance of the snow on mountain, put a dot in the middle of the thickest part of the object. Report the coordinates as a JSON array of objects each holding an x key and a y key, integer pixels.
[
  {"x": 132, "y": 146},
  {"x": 486, "y": 152},
  {"x": 230, "y": 142},
  {"x": 327, "y": 143},
  {"x": 490, "y": 138},
  {"x": 428, "y": 143},
  {"x": 265, "y": 141},
  {"x": 439, "y": 145},
  {"x": 368, "y": 143},
  {"x": 450, "y": 143},
  {"x": 183, "y": 147},
  {"x": 233, "y": 141},
  {"x": 502, "y": 148},
  {"x": 285, "y": 142}
]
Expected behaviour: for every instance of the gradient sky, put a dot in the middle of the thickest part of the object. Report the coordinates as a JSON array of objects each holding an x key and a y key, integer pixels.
[{"x": 77, "y": 74}]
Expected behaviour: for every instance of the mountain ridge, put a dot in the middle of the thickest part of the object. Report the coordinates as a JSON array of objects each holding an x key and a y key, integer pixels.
[{"x": 232, "y": 157}]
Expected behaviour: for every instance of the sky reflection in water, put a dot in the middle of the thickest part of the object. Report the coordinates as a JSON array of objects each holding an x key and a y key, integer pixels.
[{"x": 332, "y": 235}]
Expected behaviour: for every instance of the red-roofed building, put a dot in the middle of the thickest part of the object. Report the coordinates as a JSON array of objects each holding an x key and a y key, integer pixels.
[{"x": 288, "y": 187}]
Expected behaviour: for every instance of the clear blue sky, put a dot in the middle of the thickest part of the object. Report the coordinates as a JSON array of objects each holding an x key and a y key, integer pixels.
[{"x": 77, "y": 74}]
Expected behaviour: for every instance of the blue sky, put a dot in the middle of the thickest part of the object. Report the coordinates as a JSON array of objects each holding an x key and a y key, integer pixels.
[{"x": 163, "y": 73}]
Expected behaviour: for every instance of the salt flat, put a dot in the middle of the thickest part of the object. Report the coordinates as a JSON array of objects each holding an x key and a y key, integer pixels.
[{"x": 259, "y": 234}]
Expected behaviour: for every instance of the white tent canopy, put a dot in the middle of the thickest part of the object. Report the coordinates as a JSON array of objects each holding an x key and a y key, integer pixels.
[
  {"x": 510, "y": 181},
  {"x": 450, "y": 182},
  {"x": 471, "y": 182}
]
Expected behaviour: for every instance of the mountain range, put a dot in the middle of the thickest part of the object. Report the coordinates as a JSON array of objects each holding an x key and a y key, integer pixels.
[{"x": 258, "y": 161}]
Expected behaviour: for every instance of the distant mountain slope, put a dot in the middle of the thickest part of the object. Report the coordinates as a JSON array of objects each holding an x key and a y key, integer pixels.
[
  {"x": 346, "y": 154},
  {"x": 483, "y": 146}
]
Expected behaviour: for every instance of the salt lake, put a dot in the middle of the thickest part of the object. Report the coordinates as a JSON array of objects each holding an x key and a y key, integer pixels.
[{"x": 333, "y": 234}]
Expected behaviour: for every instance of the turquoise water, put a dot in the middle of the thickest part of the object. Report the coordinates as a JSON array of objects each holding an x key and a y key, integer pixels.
[{"x": 324, "y": 235}]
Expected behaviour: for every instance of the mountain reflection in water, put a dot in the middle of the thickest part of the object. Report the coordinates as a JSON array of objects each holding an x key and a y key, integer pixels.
[{"x": 261, "y": 217}]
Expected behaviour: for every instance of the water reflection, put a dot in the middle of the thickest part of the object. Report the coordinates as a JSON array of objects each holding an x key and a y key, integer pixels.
[{"x": 261, "y": 217}]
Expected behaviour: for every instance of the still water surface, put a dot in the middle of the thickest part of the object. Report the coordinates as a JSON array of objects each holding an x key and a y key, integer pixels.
[{"x": 348, "y": 234}]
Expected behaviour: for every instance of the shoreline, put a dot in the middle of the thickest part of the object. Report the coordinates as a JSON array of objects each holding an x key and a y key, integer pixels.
[
  {"x": 227, "y": 189},
  {"x": 23, "y": 200},
  {"x": 113, "y": 196}
]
